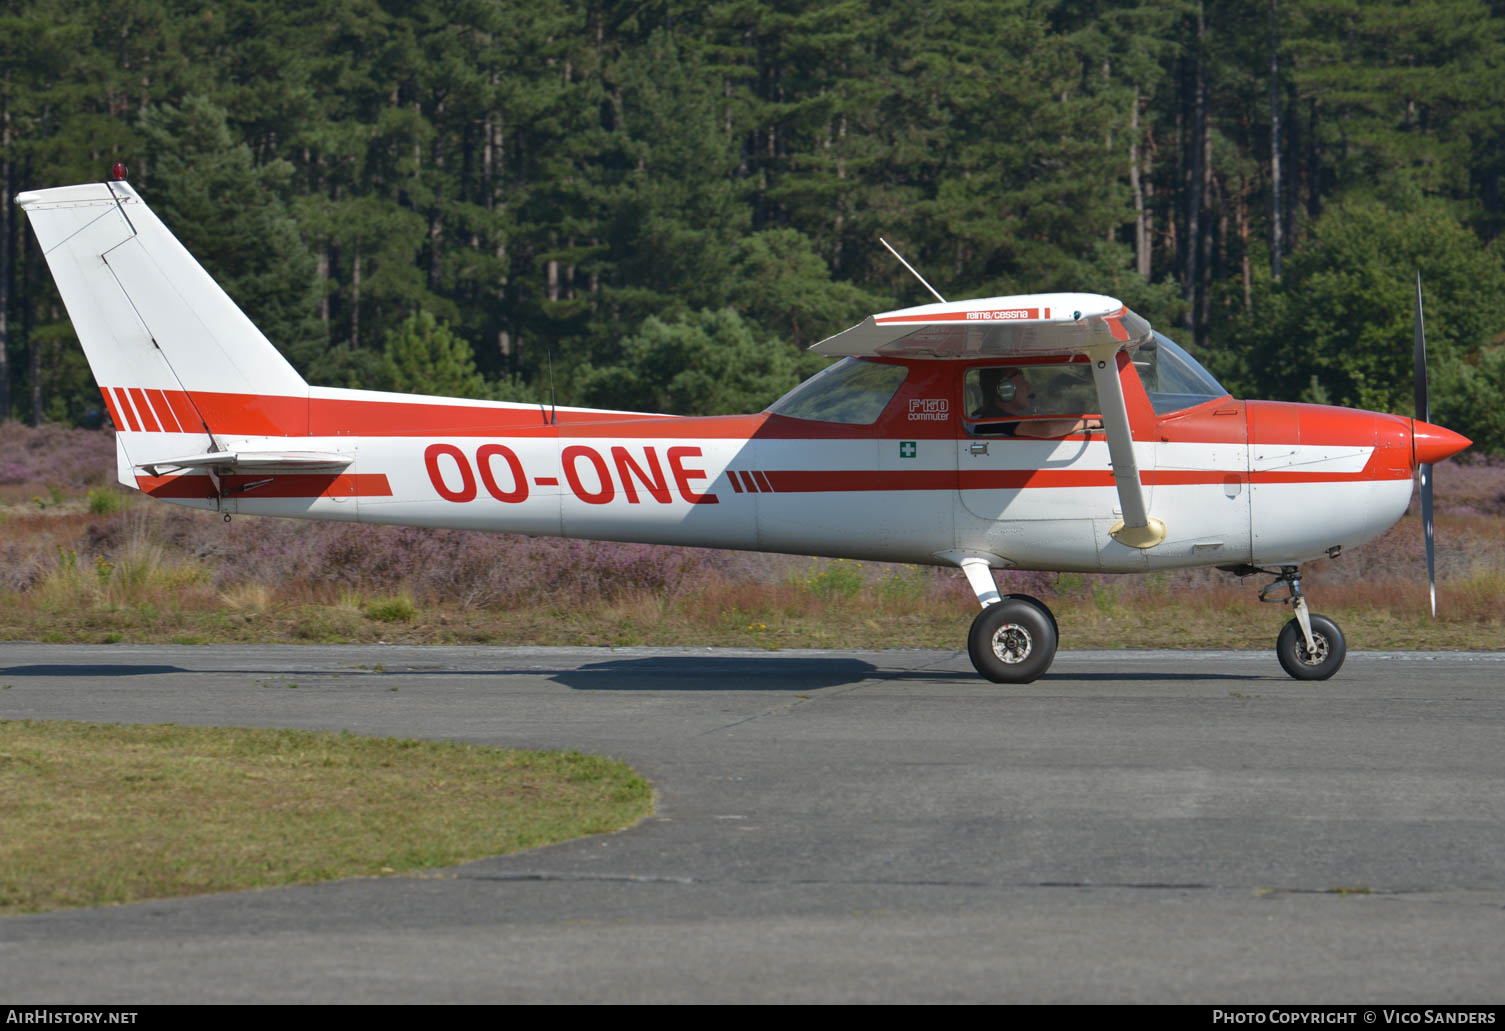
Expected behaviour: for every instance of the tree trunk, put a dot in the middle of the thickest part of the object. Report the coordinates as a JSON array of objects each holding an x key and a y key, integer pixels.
[
  {"x": 436, "y": 224},
  {"x": 355, "y": 296},
  {"x": 1277, "y": 240},
  {"x": 1141, "y": 226},
  {"x": 35, "y": 371},
  {"x": 1192, "y": 249},
  {"x": 1313, "y": 167},
  {"x": 324, "y": 286},
  {"x": 7, "y": 255},
  {"x": 1243, "y": 235}
]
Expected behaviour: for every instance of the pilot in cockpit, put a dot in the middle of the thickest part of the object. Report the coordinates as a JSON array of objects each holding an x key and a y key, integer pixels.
[{"x": 1006, "y": 392}]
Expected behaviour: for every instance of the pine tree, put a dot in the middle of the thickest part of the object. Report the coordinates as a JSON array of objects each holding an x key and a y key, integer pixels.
[
  {"x": 423, "y": 356},
  {"x": 229, "y": 213}
]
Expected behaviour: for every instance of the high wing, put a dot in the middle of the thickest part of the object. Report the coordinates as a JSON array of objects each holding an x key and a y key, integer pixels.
[{"x": 1029, "y": 325}]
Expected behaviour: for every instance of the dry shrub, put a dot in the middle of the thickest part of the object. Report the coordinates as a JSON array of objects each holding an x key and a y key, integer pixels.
[
  {"x": 250, "y": 598},
  {"x": 56, "y": 455}
]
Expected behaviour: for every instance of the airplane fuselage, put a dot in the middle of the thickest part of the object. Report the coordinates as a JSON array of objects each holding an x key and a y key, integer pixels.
[{"x": 1236, "y": 482}]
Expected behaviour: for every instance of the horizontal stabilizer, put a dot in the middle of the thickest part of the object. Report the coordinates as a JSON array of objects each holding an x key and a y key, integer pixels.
[{"x": 231, "y": 462}]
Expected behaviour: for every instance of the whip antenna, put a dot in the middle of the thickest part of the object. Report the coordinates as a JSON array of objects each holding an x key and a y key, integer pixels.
[
  {"x": 907, "y": 265},
  {"x": 553, "y": 408}
]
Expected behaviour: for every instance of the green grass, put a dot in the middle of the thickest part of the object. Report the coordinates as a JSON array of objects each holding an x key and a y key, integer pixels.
[
  {"x": 99, "y": 814},
  {"x": 392, "y": 610}
]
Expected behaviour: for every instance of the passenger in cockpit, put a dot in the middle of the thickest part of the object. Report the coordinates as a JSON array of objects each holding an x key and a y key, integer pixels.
[{"x": 1006, "y": 392}]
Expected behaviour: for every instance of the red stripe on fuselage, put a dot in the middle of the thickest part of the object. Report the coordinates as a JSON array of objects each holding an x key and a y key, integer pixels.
[
  {"x": 253, "y": 415},
  {"x": 372, "y": 418},
  {"x": 845, "y": 480},
  {"x": 298, "y": 485},
  {"x": 825, "y": 481}
]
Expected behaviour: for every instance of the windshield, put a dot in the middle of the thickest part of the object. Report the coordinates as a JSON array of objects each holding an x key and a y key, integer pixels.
[
  {"x": 853, "y": 391},
  {"x": 1173, "y": 379}
]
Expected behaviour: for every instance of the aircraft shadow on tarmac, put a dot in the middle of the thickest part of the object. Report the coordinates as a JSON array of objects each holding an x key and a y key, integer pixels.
[
  {"x": 740, "y": 673},
  {"x": 87, "y": 669},
  {"x": 713, "y": 673}
]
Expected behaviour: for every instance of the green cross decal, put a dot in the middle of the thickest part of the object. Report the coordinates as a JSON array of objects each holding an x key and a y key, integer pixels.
[{"x": 907, "y": 449}]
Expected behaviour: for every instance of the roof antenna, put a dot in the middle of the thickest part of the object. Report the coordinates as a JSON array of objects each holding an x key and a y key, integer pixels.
[
  {"x": 907, "y": 265},
  {"x": 553, "y": 408}
]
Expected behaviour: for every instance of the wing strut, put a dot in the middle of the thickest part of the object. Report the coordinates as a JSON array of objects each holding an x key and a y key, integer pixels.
[{"x": 1137, "y": 529}]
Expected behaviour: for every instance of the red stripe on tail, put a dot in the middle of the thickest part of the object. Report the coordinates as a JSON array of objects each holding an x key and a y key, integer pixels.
[{"x": 126, "y": 409}]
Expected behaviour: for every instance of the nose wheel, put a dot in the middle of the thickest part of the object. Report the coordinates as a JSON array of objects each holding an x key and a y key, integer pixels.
[
  {"x": 1310, "y": 646},
  {"x": 1318, "y": 662}
]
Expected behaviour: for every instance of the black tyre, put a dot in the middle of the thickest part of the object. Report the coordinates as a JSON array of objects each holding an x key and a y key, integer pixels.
[
  {"x": 1037, "y": 603},
  {"x": 1013, "y": 641},
  {"x": 1290, "y": 648}
]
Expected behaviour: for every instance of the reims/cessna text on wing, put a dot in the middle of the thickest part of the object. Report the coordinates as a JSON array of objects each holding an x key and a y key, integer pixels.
[{"x": 1054, "y": 432}]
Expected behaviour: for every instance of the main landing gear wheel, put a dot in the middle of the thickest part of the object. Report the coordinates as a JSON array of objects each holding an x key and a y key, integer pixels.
[
  {"x": 1320, "y": 664},
  {"x": 1037, "y": 603},
  {"x": 1013, "y": 641}
]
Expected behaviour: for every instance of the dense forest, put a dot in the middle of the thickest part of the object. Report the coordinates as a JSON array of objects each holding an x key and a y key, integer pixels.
[{"x": 658, "y": 204}]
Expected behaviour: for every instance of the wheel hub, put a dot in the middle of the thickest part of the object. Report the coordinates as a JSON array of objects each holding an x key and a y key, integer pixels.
[
  {"x": 1316, "y": 657},
  {"x": 1012, "y": 643}
]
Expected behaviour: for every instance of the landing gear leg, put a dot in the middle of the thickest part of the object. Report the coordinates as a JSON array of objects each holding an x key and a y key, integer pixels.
[
  {"x": 1310, "y": 646},
  {"x": 1013, "y": 639}
]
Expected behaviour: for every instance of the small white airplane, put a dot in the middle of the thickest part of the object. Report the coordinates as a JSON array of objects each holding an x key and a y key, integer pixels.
[{"x": 1047, "y": 432}]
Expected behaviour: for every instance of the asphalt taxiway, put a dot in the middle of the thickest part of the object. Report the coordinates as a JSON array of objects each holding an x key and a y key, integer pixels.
[{"x": 849, "y": 826}]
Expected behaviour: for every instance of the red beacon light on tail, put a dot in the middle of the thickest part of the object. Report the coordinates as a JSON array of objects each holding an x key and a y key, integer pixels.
[{"x": 117, "y": 172}]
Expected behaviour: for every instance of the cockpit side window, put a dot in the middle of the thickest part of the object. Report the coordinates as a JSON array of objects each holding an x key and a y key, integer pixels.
[
  {"x": 854, "y": 391},
  {"x": 1030, "y": 400}
]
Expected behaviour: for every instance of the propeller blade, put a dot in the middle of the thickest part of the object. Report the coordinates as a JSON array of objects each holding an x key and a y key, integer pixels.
[
  {"x": 1424, "y": 469},
  {"x": 1425, "y": 472},
  {"x": 1423, "y": 408}
]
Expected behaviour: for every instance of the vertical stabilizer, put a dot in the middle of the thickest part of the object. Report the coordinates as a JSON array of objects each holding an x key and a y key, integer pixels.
[{"x": 168, "y": 346}]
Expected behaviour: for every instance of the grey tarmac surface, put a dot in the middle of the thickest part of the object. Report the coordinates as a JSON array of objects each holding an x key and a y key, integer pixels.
[{"x": 850, "y": 827}]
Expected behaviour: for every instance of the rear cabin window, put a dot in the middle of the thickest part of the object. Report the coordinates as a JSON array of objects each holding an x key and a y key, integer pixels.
[{"x": 854, "y": 391}]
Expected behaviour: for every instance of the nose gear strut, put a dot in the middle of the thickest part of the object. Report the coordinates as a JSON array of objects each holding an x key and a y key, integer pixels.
[
  {"x": 1310, "y": 646},
  {"x": 1290, "y": 578}
]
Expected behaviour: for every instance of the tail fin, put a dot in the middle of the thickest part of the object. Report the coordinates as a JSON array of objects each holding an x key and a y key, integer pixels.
[{"x": 169, "y": 348}]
